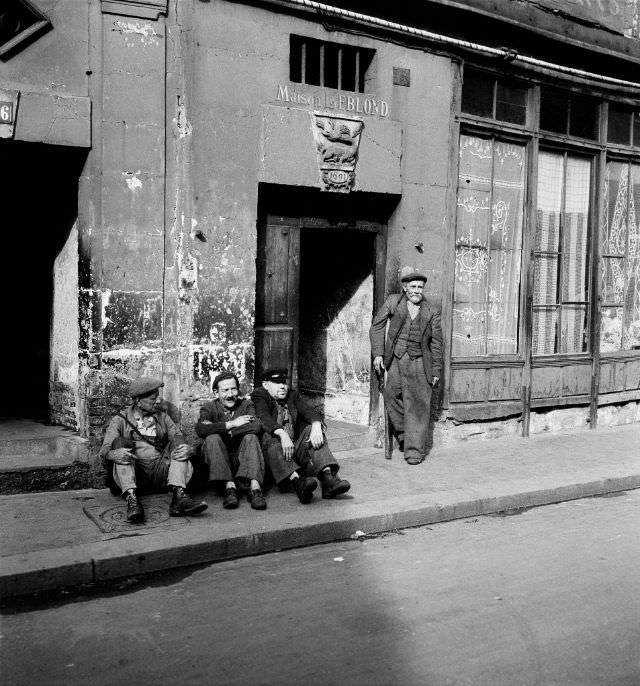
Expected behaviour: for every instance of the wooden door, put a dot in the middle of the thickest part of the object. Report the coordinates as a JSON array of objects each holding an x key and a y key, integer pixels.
[{"x": 277, "y": 295}]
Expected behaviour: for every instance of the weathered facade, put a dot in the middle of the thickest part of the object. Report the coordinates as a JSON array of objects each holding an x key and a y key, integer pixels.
[{"x": 215, "y": 184}]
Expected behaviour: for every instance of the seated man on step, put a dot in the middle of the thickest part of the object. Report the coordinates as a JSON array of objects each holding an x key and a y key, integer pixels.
[
  {"x": 149, "y": 453},
  {"x": 231, "y": 447},
  {"x": 295, "y": 447}
]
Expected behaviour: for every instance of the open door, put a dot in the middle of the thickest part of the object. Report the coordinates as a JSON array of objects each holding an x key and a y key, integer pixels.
[{"x": 277, "y": 296}]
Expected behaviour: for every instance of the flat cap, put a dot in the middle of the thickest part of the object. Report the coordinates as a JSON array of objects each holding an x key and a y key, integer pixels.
[
  {"x": 275, "y": 374},
  {"x": 411, "y": 274},
  {"x": 143, "y": 386}
]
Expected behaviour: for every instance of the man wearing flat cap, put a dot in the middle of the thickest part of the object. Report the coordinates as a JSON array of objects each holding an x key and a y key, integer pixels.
[
  {"x": 410, "y": 350},
  {"x": 294, "y": 445},
  {"x": 231, "y": 445},
  {"x": 149, "y": 453}
]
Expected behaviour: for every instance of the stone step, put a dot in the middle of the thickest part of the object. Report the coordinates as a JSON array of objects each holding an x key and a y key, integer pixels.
[
  {"x": 347, "y": 436},
  {"x": 35, "y": 456}
]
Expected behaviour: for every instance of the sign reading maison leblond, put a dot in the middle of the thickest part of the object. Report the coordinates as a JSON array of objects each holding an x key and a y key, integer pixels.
[{"x": 331, "y": 100}]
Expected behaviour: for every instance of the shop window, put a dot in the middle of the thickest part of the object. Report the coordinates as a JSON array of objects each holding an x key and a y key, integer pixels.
[
  {"x": 620, "y": 253},
  {"x": 486, "y": 96},
  {"x": 490, "y": 206},
  {"x": 623, "y": 127},
  {"x": 561, "y": 254},
  {"x": 568, "y": 114},
  {"x": 331, "y": 65}
]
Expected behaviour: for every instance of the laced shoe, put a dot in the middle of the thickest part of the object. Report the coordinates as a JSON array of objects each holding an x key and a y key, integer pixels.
[
  {"x": 183, "y": 504},
  {"x": 257, "y": 500},
  {"x": 135, "y": 511},
  {"x": 332, "y": 485},
  {"x": 230, "y": 501},
  {"x": 305, "y": 486}
]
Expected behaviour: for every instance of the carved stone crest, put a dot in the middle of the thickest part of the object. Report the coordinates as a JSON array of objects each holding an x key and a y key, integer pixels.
[{"x": 337, "y": 140}]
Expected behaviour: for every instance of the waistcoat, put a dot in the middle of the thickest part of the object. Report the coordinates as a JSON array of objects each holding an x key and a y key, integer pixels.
[{"x": 409, "y": 339}]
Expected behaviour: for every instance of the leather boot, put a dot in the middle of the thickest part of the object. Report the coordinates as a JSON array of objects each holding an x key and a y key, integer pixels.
[
  {"x": 305, "y": 486},
  {"x": 135, "y": 511},
  {"x": 183, "y": 504},
  {"x": 332, "y": 485}
]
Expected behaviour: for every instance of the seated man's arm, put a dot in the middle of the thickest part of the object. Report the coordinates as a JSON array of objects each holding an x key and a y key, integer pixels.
[
  {"x": 208, "y": 422},
  {"x": 262, "y": 406},
  {"x": 246, "y": 409},
  {"x": 177, "y": 443},
  {"x": 118, "y": 455}
]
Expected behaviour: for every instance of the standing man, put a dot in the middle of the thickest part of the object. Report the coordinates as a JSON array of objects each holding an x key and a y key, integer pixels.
[
  {"x": 149, "y": 453},
  {"x": 231, "y": 447},
  {"x": 411, "y": 353},
  {"x": 295, "y": 447}
]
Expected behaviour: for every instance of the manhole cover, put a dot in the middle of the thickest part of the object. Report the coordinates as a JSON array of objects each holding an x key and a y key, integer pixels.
[{"x": 112, "y": 518}]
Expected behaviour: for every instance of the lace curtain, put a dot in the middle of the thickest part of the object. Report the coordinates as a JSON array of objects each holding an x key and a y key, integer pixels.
[
  {"x": 620, "y": 252},
  {"x": 561, "y": 264},
  {"x": 490, "y": 208}
]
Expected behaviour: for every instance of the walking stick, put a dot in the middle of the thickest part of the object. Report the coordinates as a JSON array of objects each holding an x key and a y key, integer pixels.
[{"x": 387, "y": 426}]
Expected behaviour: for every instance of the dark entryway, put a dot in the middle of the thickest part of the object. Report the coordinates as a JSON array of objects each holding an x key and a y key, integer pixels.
[
  {"x": 39, "y": 192},
  {"x": 317, "y": 286}
]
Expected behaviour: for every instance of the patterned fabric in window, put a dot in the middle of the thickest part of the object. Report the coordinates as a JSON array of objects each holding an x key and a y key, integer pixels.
[
  {"x": 620, "y": 253},
  {"x": 490, "y": 208},
  {"x": 561, "y": 267}
]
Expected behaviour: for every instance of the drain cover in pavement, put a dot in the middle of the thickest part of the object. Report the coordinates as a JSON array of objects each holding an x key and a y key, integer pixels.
[{"x": 113, "y": 518}]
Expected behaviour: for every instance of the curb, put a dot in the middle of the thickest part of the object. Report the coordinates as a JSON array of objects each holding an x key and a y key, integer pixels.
[{"x": 89, "y": 563}]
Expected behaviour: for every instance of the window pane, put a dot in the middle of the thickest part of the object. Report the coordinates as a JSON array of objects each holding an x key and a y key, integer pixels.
[
  {"x": 511, "y": 104},
  {"x": 611, "y": 329},
  {"x": 619, "y": 127},
  {"x": 312, "y": 71},
  {"x": 631, "y": 335},
  {"x": 575, "y": 230},
  {"x": 573, "y": 334},
  {"x": 348, "y": 69},
  {"x": 505, "y": 248},
  {"x": 613, "y": 280},
  {"x": 583, "y": 119},
  {"x": 488, "y": 247},
  {"x": 636, "y": 129},
  {"x": 545, "y": 324},
  {"x": 550, "y": 182},
  {"x": 295, "y": 59},
  {"x": 554, "y": 110},
  {"x": 477, "y": 94},
  {"x": 331, "y": 65},
  {"x": 614, "y": 225},
  {"x": 545, "y": 280}
]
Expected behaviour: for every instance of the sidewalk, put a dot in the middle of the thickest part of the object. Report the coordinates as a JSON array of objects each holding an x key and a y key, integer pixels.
[{"x": 66, "y": 538}]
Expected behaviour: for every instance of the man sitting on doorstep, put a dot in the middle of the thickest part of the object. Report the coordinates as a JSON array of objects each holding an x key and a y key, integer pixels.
[
  {"x": 295, "y": 447},
  {"x": 149, "y": 454},
  {"x": 231, "y": 446}
]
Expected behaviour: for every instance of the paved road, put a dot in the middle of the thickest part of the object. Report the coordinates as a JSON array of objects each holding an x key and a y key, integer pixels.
[{"x": 550, "y": 596}]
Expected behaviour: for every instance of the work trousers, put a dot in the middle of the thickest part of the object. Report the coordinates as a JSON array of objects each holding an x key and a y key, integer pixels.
[
  {"x": 153, "y": 476},
  {"x": 407, "y": 401},
  {"x": 307, "y": 461},
  {"x": 230, "y": 458}
]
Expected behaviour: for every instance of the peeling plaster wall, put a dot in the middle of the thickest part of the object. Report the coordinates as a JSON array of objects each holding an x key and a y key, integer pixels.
[{"x": 64, "y": 372}]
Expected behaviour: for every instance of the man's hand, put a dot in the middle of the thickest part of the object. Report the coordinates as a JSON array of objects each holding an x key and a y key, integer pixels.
[
  {"x": 315, "y": 437},
  {"x": 435, "y": 381},
  {"x": 378, "y": 364},
  {"x": 240, "y": 421},
  {"x": 287, "y": 444},
  {"x": 121, "y": 456},
  {"x": 181, "y": 453}
]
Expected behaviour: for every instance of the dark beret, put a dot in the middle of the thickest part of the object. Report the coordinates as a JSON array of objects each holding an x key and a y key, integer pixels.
[
  {"x": 143, "y": 386},
  {"x": 276, "y": 374}
]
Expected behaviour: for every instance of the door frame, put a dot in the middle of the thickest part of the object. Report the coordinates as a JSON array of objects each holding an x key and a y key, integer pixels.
[{"x": 295, "y": 225}]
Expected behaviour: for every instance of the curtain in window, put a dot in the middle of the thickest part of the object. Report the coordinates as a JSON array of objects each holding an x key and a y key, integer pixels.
[
  {"x": 620, "y": 252},
  {"x": 561, "y": 260},
  {"x": 488, "y": 247}
]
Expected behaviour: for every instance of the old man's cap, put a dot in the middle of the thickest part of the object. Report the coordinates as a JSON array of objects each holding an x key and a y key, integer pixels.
[
  {"x": 411, "y": 274},
  {"x": 275, "y": 374},
  {"x": 144, "y": 386}
]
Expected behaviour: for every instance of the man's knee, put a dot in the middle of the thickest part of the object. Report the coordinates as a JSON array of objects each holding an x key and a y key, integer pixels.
[{"x": 250, "y": 440}]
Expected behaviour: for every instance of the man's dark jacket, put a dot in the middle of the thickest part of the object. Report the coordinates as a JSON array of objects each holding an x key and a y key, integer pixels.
[
  {"x": 213, "y": 420},
  {"x": 267, "y": 410},
  {"x": 395, "y": 311}
]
